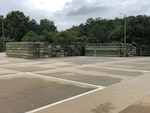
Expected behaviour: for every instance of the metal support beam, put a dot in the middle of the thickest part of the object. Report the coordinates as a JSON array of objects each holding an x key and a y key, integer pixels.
[
  {"x": 3, "y": 32},
  {"x": 125, "y": 36}
]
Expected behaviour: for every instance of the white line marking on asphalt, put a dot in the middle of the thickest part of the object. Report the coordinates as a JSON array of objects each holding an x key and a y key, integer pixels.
[
  {"x": 65, "y": 100},
  {"x": 65, "y": 80},
  {"x": 68, "y": 99}
]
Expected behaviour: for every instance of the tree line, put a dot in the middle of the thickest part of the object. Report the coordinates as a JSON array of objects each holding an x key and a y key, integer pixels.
[{"x": 18, "y": 27}]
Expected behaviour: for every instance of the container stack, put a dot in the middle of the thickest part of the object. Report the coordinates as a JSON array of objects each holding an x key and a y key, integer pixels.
[
  {"x": 102, "y": 49},
  {"x": 110, "y": 49},
  {"x": 55, "y": 51},
  {"x": 65, "y": 50},
  {"x": 130, "y": 50},
  {"x": 25, "y": 49},
  {"x": 143, "y": 51},
  {"x": 41, "y": 50}
]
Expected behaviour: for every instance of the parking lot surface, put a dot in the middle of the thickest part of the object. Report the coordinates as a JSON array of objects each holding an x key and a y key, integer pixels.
[{"x": 75, "y": 85}]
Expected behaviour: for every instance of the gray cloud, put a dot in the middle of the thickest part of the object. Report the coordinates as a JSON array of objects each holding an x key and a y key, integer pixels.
[
  {"x": 77, "y": 11},
  {"x": 88, "y": 10},
  {"x": 84, "y": 7}
]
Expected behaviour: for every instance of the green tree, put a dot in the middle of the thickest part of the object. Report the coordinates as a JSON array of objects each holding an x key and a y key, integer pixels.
[
  {"x": 64, "y": 38},
  {"x": 47, "y": 26},
  {"x": 19, "y": 27},
  {"x": 50, "y": 37},
  {"x": 97, "y": 30},
  {"x": 33, "y": 26},
  {"x": 31, "y": 36},
  {"x": 16, "y": 25}
]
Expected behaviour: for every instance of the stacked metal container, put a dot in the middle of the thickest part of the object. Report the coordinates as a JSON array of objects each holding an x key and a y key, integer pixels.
[
  {"x": 64, "y": 50},
  {"x": 110, "y": 49},
  {"x": 25, "y": 49},
  {"x": 41, "y": 49}
]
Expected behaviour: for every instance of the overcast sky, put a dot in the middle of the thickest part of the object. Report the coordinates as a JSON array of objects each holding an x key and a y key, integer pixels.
[{"x": 66, "y": 13}]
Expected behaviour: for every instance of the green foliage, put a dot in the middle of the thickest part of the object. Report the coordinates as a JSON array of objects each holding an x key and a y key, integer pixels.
[
  {"x": 31, "y": 36},
  {"x": 138, "y": 30},
  {"x": 19, "y": 27},
  {"x": 102, "y": 31},
  {"x": 64, "y": 38},
  {"x": 16, "y": 24},
  {"x": 97, "y": 30},
  {"x": 47, "y": 26},
  {"x": 50, "y": 37}
]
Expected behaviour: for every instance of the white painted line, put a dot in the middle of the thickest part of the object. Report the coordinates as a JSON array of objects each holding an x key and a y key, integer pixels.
[
  {"x": 65, "y": 80},
  {"x": 65, "y": 100}
]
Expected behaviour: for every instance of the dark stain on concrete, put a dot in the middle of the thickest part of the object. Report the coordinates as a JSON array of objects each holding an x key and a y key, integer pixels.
[
  {"x": 103, "y": 108},
  {"x": 137, "y": 108}
]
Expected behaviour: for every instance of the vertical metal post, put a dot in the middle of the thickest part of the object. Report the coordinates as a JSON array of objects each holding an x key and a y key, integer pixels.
[
  {"x": 125, "y": 36},
  {"x": 3, "y": 33}
]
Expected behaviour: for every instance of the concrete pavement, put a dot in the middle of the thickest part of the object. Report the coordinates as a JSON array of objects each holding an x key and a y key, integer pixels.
[{"x": 75, "y": 85}]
